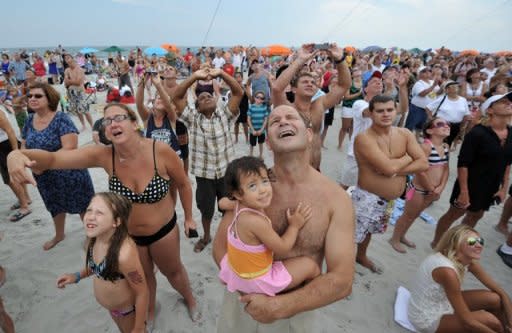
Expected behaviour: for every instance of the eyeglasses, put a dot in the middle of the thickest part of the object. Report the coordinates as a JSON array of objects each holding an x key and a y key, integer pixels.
[
  {"x": 117, "y": 118},
  {"x": 259, "y": 97},
  {"x": 38, "y": 96},
  {"x": 440, "y": 124},
  {"x": 473, "y": 240}
]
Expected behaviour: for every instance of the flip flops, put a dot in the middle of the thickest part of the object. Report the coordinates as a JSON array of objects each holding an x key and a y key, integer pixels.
[
  {"x": 19, "y": 215},
  {"x": 507, "y": 258},
  {"x": 201, "y": 244}
]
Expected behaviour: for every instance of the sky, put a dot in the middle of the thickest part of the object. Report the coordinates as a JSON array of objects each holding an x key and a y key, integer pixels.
[{"x": 457, "y": 24}]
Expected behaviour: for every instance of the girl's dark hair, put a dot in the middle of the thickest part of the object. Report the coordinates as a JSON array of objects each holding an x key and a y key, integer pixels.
[
  {"x": 428, "y": 125},
  {"x": 470, "y": 73},
  {"x": 120, "y": 208},
  {"x": 247, "y": 165}
]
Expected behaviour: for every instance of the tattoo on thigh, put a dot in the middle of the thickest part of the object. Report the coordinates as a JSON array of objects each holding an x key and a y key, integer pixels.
[{"x": 135, "y": 277}]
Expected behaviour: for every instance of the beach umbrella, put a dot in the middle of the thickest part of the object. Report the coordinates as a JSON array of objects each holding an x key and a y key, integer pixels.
[
  {"x": 155, "y": 50},
  {"x": 170, "y": 48},
  {"x": 113, "y": 48},
  {"x": 469, "y": 53},
  {"x": 415, "y": 50},
  {"x": 349, "y": 48},
  {"x": 276, "y": 50},
  {"x": 372, "y": 48},
  {"x": 86, "y": 50},
  {"x": 503, "y": 53}
]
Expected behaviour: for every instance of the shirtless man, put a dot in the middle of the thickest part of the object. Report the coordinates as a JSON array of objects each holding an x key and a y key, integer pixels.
[
  {"x": 304, "y": 87},
  {"x": 123, "y": 68},
  {"x": 385, "y": 155},
  {"x": 74, "y": 79},
  {"x": 328, "y": 234}
]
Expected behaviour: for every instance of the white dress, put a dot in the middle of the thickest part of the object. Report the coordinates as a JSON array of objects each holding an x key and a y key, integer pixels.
[{"x": 428, "y": 301}]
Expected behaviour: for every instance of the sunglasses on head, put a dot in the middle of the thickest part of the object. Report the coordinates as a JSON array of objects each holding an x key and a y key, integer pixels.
[
  {"x": 473, "y": 240},
  {"x": 35, "y": 96},
  {"x": 440, "y": 124}
]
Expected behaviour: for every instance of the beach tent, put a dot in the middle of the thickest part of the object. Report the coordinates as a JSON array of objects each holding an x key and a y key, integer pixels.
[
  {"x": 86, "y": 50},
  {"x": 276, "y": 50},
  {"x": 113, "y": 48},
  {"x": 469, "y": 53},
  {"x": 155, "y": 50},
  {"x": 170, "y": 48}
]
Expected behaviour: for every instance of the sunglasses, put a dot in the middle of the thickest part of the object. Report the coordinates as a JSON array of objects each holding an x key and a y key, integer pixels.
[
  {"x": 259, "y": 97},
  {"x": 473, "y": 240},
  {"x": 117, "y": 118},
  {"x": 440, "y": 124},
  {"x": 38, "y": 96}
]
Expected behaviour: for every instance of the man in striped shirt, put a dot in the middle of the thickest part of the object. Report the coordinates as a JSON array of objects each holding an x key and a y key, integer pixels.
[{"x": 211, "y": 143}]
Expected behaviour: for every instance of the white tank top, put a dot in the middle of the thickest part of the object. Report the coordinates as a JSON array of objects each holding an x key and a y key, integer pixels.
[
  {"x": 12, "y": 120},
  {"x": 470, "y": 92}
]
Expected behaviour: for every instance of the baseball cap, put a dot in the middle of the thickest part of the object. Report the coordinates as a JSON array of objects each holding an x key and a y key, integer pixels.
[
  {"x": 494, "y": 99},
  {"x": 376, "y": 74}
]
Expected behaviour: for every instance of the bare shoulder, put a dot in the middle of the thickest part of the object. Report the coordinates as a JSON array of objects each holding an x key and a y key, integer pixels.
[
  {"x": 128, "y": 252},
  {"x": 339, "y": 197},
  {"x": 404, "y": 131}
]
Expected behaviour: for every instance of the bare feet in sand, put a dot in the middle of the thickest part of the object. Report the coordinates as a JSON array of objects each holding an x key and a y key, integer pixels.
[
  {"x": 500, "y": 229},
  {"x": 370, "y": 265},
  {"x": 397, "y": 246},
  {"x": 52, "y": 242}
]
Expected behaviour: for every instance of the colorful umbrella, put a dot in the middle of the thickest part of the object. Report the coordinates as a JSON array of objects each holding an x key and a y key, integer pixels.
[
  {"x": 372, "y": 48},
  {"x": 469, "y": 53},
  {"x": 113, "y": 48},
  {"x": 503, "y": 53},
  {"x": 86, "y": 50},
  {"x": 155, "y": 50},
  {"x": 349, "y": 48},
  {"x": 170, "y": 48},
  {"x": 276, "y": 50}
]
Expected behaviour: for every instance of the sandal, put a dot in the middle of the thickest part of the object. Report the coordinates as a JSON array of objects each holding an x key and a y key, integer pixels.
[
  {"x": 201, "y": 244},
  {"x": 19, "y": 215},
  {"x": 17, "y": 205}
]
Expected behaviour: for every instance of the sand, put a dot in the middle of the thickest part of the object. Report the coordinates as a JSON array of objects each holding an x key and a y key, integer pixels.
[{"x": 36, "y": 305}]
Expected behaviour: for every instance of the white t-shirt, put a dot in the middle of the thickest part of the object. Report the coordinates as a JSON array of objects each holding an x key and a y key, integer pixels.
[
  {"x": 451, "y": 111},
  {"x": 418, "y": 87},
  {"x": 237, "y": 60},
  {"x": 490, "y": 74},
  {"x": 359, "y": 123},
  {"x": 380, "y": 68},
  {"x": 12, "y": 121},
  {"x": 218, "y": 62}
]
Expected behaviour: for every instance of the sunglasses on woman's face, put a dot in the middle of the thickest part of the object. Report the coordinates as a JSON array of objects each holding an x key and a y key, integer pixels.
[
  {"x": 38, "y": 96},
  {"x": 473, "y": 240},
  {"x": 440, "y": 124},
  {"x": 259, "y": 97}
]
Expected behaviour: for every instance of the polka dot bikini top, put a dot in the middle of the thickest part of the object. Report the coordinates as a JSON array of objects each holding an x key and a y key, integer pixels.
[{"x": 155, "y": 191}]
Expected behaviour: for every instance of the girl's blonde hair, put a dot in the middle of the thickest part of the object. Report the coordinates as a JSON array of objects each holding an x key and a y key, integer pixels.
[{"x": 450, "y": 244}]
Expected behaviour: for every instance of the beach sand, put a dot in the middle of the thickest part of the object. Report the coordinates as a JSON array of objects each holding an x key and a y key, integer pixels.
[{"x": 36, "y": 305}]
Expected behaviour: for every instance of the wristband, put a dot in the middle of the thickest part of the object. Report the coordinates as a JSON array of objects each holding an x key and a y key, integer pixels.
[
  {"x": 77, "y": 277},
  {"x": 336, "y": 62}
]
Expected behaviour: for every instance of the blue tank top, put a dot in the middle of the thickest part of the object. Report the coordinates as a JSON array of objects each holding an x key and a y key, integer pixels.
[
  {"x": 260, "y": 84},
  {"x": 165, "y": 133}
]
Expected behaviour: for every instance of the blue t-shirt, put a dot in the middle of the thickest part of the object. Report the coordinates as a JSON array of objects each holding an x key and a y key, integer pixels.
[{"x": 257, "y": 113}]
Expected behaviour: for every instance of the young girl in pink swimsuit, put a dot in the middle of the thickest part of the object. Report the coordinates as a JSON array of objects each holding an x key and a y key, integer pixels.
[{"x": 248, "y": 266}]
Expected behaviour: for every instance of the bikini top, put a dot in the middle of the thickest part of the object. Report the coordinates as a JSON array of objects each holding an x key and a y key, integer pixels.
[
  {"x": 155, "y": 191},
  {"x": 247, "y": 261},
  {"x": 99, "y": 269},
  {"x": 434, "y": 159}
]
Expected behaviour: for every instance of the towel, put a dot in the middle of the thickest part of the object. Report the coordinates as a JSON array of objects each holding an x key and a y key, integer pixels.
[
  {"x": 399, "y": 209},
  {"x": 401, "y": 303}
]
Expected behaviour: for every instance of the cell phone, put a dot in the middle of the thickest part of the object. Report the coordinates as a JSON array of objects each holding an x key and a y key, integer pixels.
[
  {"x": 323, "y": 46},
  {"x": 192, "y": 233}
]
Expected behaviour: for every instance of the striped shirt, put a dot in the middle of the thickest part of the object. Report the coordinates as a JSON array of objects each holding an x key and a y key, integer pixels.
[
  {"x": 211, "y": 143},
  {"x": 257, "y": 113}
]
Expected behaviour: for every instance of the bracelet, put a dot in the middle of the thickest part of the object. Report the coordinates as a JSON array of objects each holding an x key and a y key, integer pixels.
[
  {"x": 337, "y": 62},
  {"x": 77, "y": 277}
]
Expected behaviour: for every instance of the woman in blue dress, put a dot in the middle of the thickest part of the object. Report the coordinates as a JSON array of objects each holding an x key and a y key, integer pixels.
[{"x": 63, "y": 191}]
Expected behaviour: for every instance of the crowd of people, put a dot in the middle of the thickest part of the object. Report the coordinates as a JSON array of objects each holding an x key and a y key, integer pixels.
[{"x": 403, "y": 115}]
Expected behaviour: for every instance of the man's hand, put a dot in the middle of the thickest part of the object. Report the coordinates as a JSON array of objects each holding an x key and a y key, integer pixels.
[
  {"x": 403, "y": 79},
  {"x": 261, "y": 307},
  {"x": 335, "y": 52},
  {"x": 215, "y": 72},
  {"x": 201, "y": 74},
  {"x": 306, "y": 52}
]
